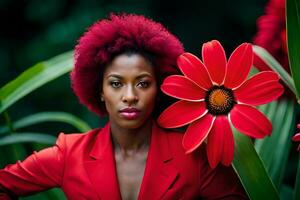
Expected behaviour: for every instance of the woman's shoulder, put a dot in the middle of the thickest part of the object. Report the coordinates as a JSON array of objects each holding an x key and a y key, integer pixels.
[
  {"x": 72, "y": 141},
  {"x": 73, "y": 137}
]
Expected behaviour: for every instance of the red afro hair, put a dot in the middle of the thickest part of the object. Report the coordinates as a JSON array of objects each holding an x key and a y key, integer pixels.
[{"x": 115, "y": 35}]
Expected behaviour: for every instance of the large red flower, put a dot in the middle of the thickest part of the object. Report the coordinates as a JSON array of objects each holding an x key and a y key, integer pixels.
[{"x": 214, "y": 94}]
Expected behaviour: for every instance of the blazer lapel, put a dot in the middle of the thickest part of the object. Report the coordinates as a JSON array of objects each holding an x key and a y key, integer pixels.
[
  {"x": 159, "y": 173},
  {"x": 101, "y": 167}
]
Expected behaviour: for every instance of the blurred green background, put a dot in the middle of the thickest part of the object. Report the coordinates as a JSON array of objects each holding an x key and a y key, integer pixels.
[{"x": 36, "y": 30}]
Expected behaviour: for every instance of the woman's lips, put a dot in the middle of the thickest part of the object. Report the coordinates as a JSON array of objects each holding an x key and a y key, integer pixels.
[{"x": 130, "y": 113}]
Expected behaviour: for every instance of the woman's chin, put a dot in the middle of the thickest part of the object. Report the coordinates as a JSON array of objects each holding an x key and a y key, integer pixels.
[{"x": 132, "y": 123}]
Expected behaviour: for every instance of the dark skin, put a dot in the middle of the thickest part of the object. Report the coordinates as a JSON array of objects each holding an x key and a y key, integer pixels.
[
  {"x": 130, "y": 165},
  {"x": 129, "y": 82}
]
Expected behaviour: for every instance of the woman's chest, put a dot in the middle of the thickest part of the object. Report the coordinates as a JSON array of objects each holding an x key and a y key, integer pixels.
[{"x": 130, "y": 172}]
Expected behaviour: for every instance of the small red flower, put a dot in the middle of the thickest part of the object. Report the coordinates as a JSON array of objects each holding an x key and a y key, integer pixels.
[
  {"x": 271, "y": 34},
  {"x": 214, "y": 93},
  {"x": 296, "y": 137}
]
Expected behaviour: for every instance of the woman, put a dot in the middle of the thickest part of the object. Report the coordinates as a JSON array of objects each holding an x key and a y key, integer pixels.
[{"x": 119, "y": 65}]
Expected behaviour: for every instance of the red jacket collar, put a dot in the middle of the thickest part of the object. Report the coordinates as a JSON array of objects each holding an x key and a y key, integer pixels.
[{"x": 102, "y": 170}]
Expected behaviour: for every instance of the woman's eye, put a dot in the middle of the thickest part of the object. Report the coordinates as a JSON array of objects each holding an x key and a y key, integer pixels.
[
  {"x": 116, "y": 84},
  {"x": 143, "y": 84}
]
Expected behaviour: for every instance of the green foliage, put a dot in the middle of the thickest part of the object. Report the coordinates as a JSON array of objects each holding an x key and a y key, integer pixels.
[
  {"x": 49, "y": 117},
  {"x": 286, "y": 192},
  {"x": 274, "y": 150},
  {"x": 293, "y": 33},
  {"x": 33, "y": 78},
  {"x": 251, "y": 170},
  {"x": 276, "y": 67},
  {"x": 52, "y": 194},
  {"x": 293, "y": 43},
  {"x": 297, "y": 185},
  {"x": 27, "y": 137}
]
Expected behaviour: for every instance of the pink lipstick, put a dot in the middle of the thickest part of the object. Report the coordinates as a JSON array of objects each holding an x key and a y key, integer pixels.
[{"x": 130, "y": 113}]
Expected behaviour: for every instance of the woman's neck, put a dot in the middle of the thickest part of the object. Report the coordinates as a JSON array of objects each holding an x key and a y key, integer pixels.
[{"x": 130, "y": 141}]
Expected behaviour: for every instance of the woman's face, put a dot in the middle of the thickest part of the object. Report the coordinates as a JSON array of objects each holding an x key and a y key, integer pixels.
[{"x": 129, "y": 90}]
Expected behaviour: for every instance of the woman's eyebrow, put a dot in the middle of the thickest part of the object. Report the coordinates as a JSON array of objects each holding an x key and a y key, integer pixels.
[
  {"x": 114, "y": 76},
  {"x": 145, "y": 74},
  {"x": 142, "y": 75}
]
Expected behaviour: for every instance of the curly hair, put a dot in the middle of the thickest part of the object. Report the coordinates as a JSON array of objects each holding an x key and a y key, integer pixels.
[{"x": 110, "y": 37}]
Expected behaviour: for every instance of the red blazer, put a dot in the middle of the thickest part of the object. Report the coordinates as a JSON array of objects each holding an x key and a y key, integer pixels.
[{"x": 83, "y": 166}]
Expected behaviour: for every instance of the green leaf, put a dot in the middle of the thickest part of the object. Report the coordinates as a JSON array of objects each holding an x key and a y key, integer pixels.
[
  {"x": 274, "y": 150},
  {"x": 293, "y": 40},
  {"x": 270, "y": 109},
  {"x": 54, "y": 193},
  {"x": 38, "y": 196},
  {"x": 286, "y": 192},
  {"x": 276, "y": 67},
  {"x": 27, "y": 137},
  {"x": 251, "y": 170},
  {"x": 33, "y": 78},
  {"x": 48, "y": 117},
  {"x": 265, "y": 107},
  {"x": 297, "y": 185},
  {"x": 9, "y": 124}
]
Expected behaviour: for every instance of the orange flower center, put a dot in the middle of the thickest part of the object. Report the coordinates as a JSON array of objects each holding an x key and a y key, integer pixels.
[{"x": 219, "y": 100}]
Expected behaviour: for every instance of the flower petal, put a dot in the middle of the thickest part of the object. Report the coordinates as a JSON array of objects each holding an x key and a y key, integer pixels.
[
  {"x": 296, "y": 138},
  {"x": 259, "y": 63},
  {"x": 182, "y": 88},
  {"x": 193, "y": 68},
  {"x": 220, "y": 142},
  {"x": 214, "y": 59},
  {"x": 239, "y": 65},
  {"x": 259, "y": 89},
  {"x": 197, "y": 132},
  {"x": 250, "y": 121},
  {"x": 228, "y": 146},
  {"x": 181, "y": 113}
]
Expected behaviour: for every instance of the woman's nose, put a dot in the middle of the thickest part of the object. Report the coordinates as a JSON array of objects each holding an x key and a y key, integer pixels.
[{"x": 129, "y": 95}]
